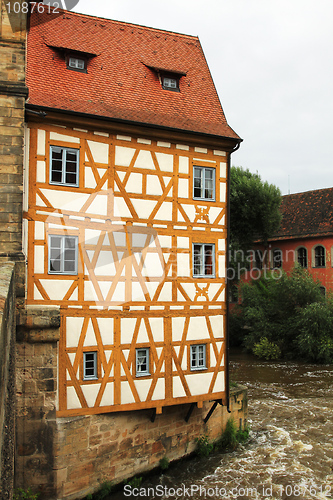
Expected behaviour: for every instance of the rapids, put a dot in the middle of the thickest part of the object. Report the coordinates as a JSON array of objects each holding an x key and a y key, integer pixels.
[{"x": 290, "y": 451}]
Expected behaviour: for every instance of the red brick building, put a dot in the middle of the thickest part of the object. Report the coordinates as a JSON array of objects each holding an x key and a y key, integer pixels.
[{"x": 305, "y": 236}]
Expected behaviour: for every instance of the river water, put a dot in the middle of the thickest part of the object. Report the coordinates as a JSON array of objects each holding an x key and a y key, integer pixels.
[{"x": 290, "y": 451}]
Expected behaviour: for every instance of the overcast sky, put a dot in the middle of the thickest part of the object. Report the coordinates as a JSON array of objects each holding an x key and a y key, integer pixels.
[{"x": 272, "y": 65}]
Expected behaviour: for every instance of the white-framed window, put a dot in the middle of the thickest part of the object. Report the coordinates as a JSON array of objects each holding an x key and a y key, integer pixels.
[
  {"x": 63, "y": 254},
  {"x": 76, "y": 63},
  {"x": 64, "y": 166},
  {"x": 142, "y": 361},
  {"x": 170, "y": 83},
  {"x": 90, "y": 365},
  {"x": 203, "y": 260},
  {"x": 204, "y": 183},
  {"x": 198, "y": 357}
]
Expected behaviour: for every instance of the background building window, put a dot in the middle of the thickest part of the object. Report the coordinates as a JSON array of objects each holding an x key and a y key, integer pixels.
[
  {"x": 203, "y": 260},
  {"x": 142, "y": 362},
  {"x": 64, "y": 166},
  {"x": 319, "y": 256},
  {"x": 277, "y": 258},
  {"x": 258, "y": 258},
  {"x": 63, "y": 254},
  {"x": 198, "y": 357},
  {"x": 204, "y": 183},
  {"x": 302, "y": 257},
  {"x": 90, "y": 365}
]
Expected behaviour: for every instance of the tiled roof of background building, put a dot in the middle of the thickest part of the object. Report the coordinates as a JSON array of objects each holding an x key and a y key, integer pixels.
[
  {"x": 122, "y": 80},
  {"x": 306, "y": 214}
]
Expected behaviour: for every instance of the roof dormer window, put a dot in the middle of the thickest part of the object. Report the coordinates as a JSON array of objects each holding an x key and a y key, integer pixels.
[
  {"x": 76, "y": 63},
  {"x": 170, "y": 82}
]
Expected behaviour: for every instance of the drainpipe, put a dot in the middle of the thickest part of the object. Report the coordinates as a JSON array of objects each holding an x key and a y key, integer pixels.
[{"x": 227, "y": 281}]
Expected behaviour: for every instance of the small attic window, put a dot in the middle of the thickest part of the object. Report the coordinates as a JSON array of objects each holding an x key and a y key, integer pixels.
[
  {"x": 76, "y": 64},
  {"x": 170, "y": 82}
]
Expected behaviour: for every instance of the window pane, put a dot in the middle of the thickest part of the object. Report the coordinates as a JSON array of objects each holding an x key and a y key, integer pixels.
[
  {"x": 55, "y": 265},
  {"x": 208, "y": 260},
  {"x": 90, "y": 365},
  {"x": 56, "y": 241},
  {"x": 70, "y": 179},
  {"x": 197, "y": 260},
  {"x": 69, "y": 266}
]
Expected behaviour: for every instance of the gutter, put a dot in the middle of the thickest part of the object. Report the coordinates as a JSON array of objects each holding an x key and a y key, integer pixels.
[
  {"x": 32, "y": 108},
  {"x": 227, "y": 281}
]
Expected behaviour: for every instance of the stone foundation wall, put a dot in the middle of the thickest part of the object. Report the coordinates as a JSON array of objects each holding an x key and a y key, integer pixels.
[
  {"x": 112, "y": 447},
  {"x": 36, "y": 382},
  {"x": 7, "y": 378},
  {"x": 67, "y": 458}
]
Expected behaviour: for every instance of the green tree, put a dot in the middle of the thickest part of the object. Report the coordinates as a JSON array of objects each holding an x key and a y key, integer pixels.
[
  {"x": 287, "y": 312},
  {"x": 254, "y": 208}
]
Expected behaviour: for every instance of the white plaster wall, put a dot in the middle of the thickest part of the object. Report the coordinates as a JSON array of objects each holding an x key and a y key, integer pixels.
[
  {"x": 41, "y": 142},
  {"x": 108, "y": 396},
  {"x": 90, "y": 392},
  {"x": 199, "y": 382},
  {"x": 178, "y": 388},
  {"x": 124, "y": 156},
  {"x": 159, "y": 392},
  {"x": 217, "y": 325},
  {"x": 134, "y": 183},
  {"x": 56, "y": 289},
  {"x": 154, "y": 185},
  {"x": 73, "y": 330},
  {"x": 127, "y": 329},
  {"x": 183, "y": 188},
  {"x": 177, "y": 328},
  {"x": 54, "y": 136},
  {"x": 39, "y": 259},
  {"x": 73, "y": 401},
  {"x": 41, "y": 171},
  {"x": 197, "y": 329},
  {"x": 145, "y": 160},
  {"x": 165, "y": 161},
  {"x": 183, "y": 265},
  {"x": 65, "y": 200},
  {"x": 126, "y": 393},
  {"x": 184, "y": 165},
  {"x": 99, "y": 151}
]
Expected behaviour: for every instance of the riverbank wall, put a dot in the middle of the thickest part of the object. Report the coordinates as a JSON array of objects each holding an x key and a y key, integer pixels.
[
  {"x": 68, "y": 458},
  {"x": 7, "y": 378}
]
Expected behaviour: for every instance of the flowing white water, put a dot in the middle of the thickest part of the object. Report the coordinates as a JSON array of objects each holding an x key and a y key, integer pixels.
[{"x": 290, "y": 451}]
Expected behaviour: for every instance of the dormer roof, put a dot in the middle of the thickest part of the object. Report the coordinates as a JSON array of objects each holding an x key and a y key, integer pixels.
[{"x": 122, "y": 81}]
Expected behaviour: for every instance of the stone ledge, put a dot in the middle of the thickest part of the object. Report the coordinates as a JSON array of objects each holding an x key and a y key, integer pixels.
[
  {"x": 38, "y": 324},
  {"x": 16, "y": 89}
]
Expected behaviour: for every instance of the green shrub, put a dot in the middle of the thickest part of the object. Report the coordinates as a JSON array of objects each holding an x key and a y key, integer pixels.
[
  {"x": 229, "y": 437},
  {"x": 266, "y": 349},
  {"x": 105, "y": 491},
  {"x": 135, "y": 482},
  {"x": 20, "y": 494},
  {"x": 164, "y": 463},
  {"x": 204, "y": 446}
]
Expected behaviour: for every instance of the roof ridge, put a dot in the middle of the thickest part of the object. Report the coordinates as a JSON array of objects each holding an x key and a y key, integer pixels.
[
  {"x": 309, "y": 191},
  {"x": 150, "y": 28}
]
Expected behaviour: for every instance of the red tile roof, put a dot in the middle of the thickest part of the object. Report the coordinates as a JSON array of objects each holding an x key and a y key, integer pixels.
[
  {"x": 121, "y": 82},
  {"x": 306, "y": 214}
]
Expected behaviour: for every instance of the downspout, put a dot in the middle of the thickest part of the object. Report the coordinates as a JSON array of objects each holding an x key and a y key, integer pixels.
[{"x": 227, "y": 281}]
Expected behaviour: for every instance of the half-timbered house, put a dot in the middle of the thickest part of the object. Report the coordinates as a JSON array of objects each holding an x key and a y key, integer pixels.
[{"x": 127, "y": 153}]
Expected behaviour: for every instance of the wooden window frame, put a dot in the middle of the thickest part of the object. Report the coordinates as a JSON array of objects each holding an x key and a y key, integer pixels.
[
  {"x": 203, "y": 171},
  {"x": 300, "y": 258},
  {"x": 64, "y": 160},
  {"x": 317, "y": 257},
  {"x": 63, "y": 238},
  {"x": 196, "y": 349},
  {"x": 202, "y": 257},
  {"x": 277, "y": 262},
  {"x": 146, "y": 373}
]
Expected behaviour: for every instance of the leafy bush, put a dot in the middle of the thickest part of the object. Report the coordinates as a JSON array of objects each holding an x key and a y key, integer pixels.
[
  {"x": 229, "y": 436},
  {"x": 287, "y": 317},
  {"x": 164, "y": 463},
  {"x": 266, "y": 349},
  {"x": 204, "y": 446},
  {"x": 20, "y": 494}
]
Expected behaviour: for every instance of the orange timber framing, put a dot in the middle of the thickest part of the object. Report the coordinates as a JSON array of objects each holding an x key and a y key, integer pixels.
[{"x": 195, "y": 220}]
